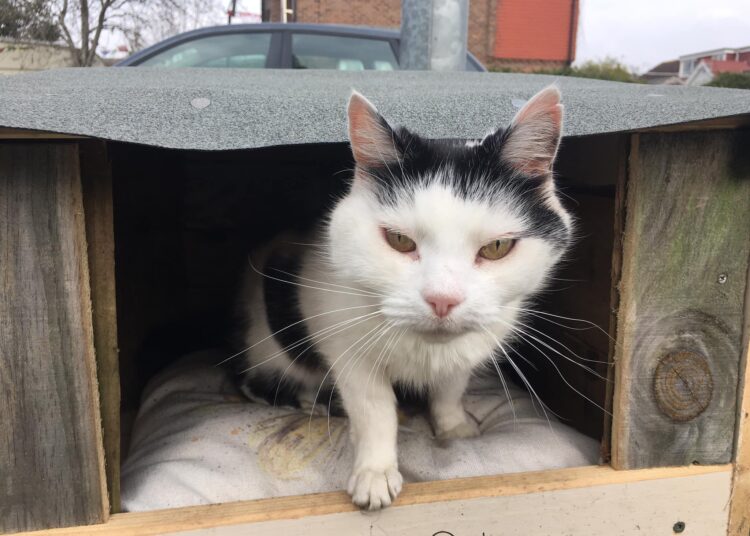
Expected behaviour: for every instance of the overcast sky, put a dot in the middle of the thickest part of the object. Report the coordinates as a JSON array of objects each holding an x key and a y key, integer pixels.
[{"x": 643, "y": 33}]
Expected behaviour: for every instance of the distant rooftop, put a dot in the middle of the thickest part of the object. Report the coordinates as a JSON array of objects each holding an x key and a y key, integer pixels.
[{"x": 705, "y": 53}]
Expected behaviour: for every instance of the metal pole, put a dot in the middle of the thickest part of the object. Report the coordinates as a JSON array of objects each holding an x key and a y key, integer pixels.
[{"x": 434, "y": 34}]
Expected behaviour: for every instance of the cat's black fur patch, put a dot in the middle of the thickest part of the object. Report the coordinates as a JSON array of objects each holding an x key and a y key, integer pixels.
[
  {"x": 281, "y": 296},
  {"x": 271, "y": 388},
  {"x": 410, "y": 399},
  {"x": 470, "y": 168},
  {"x": 285, "y": 392}
]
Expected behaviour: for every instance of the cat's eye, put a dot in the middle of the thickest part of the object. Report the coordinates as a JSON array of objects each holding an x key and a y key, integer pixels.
[
  {"x": 497, "y": 249},
  {"x": 400, "y": 242}
]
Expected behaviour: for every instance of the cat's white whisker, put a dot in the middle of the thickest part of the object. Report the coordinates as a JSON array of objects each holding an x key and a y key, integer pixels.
[
  {"x": 305, "y": 286},
  {"x": 385, "y": 362},
  {"x": 236, "y": 354},
  {"x": 542, "y": 315},
  {"x": 562, "y": 376},
  {"x": 563, "y": 345},
  {"x": 354, "y": 321},
  {"x": 505, "y": 388},
  {"x": 523, "y": 378},
  {"x": 333, "y": 364},
  {"x": 336, "y": 328},
  {"x": 373, "y": 294},
  {"x": 523, "y": 334},
  {"x": 363, "y": 353},
  {"x": 375, "y": 366}
]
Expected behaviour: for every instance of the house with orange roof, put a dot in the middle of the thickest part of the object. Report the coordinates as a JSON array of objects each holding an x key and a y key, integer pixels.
[{"x": 700, "y": 68}]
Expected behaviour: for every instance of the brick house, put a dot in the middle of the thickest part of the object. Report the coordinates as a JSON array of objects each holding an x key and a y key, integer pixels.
[
  {"x": 699, "y": 68},
  {"x": 515, "y": 34}
]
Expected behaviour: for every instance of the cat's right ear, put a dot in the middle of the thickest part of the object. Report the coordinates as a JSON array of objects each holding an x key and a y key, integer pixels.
[
  {"x": 371, "y": 136},
  {"x": 531, "y": 141}
]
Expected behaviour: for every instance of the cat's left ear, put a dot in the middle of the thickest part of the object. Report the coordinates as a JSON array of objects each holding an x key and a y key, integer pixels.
[
  {"x": 371, "y": 136},
  {"x": 530, "y": 143}
]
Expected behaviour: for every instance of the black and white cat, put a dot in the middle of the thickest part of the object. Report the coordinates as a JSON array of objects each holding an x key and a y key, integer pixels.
[{"x": 416, "y": 278}]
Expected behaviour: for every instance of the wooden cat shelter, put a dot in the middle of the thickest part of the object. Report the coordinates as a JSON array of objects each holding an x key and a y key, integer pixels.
[{"x": 127, "y": 196}]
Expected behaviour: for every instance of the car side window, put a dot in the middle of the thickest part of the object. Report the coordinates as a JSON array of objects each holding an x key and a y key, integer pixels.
[
  {"x": 240, "y": 50},
  {"x": 317, "y": 51}
]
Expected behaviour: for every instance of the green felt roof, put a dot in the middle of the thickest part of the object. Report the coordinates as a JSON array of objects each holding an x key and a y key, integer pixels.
[{"x": 219, "y": 109}]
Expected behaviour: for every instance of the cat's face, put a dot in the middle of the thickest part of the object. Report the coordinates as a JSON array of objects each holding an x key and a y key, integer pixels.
[{"x": 451, "y": 235}]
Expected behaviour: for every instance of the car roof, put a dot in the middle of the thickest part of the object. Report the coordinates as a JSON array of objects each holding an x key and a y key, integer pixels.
[{"x": 372, "y": 31}]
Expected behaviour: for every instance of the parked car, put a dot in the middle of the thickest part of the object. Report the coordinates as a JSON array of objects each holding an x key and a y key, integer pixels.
[{"x": 280, "y": 46}]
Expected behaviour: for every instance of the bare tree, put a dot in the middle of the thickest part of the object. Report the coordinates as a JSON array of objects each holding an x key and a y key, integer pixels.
[{"x": 83, "y": 23}]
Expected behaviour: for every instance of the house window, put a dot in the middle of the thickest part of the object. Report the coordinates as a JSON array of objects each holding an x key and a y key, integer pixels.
[{"x": 688, "y": 66}]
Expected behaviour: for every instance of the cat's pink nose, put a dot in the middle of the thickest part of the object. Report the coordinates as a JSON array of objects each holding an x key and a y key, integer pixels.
[{"x": 442, "y": 304}]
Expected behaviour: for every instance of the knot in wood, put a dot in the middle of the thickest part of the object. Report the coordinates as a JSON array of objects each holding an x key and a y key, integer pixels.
[{"x": 683, "y": 385}]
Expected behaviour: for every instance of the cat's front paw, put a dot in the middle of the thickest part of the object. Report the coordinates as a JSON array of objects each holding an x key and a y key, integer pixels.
[
  {"x": 467, "y": 428},
  {"x": 375, "y": 489}
]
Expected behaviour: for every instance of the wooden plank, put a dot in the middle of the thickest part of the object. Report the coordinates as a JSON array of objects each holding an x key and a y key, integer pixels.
[
  {"x": 23, "y": 134},
  {"x": 614, "y": 291},
  {"x": 739, "y": 513},
  {"x": 685, "y": 257},
  {"x": 51, "y": 458},
  {"x": 583, "y": 501},
  {"x": 96, "y": 178},
  {"x": 720, "y": 123}
]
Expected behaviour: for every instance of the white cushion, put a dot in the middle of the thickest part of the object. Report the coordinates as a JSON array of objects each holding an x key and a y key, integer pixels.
[{"x": 196, "y": 440}]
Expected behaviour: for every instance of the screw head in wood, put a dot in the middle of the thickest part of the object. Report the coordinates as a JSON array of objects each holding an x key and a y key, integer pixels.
[
  {"x": 722, "y": 278},
  {"x": 678, "y": 527},
  {"x": 683, "y": 385}
]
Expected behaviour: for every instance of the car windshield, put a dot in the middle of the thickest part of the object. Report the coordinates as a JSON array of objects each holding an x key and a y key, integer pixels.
[
  {"x": 240, "y": 50},
  {"x": 315, "y": 51}
]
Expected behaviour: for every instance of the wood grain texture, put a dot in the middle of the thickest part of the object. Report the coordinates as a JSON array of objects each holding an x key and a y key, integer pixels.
[
  {"x": 614, "y": 291},
  {"x": 685, "y": 256},
  {"x": 719, "y": 123},
  {"x": 23, "y": 134},
  {"x": 582, "y": 501},
  {"x": 96, "y": 179},
  {"x": 51, "y": 459},
  {"x": 739, "y": 513}
]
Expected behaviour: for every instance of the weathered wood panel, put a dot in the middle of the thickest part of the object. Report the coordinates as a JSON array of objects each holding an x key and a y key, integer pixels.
[
  {"x": 96, "y": 178},
  {"x": 614, "y": 291},
  {"x": 680, "y": 319},
  {"x": 23, "y": 134},
  {"x": 739, "y": 513},
  {"x": 581, "y": 501},
  {"x": 51, "y": 460}
]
